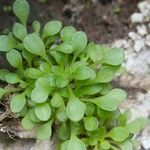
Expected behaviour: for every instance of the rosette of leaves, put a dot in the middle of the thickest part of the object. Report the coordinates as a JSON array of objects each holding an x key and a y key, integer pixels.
[{"x": 62, "y": 80}]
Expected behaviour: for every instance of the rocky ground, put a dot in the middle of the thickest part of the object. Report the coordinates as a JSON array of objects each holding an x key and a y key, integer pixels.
[{"x": 136, "y": 81}]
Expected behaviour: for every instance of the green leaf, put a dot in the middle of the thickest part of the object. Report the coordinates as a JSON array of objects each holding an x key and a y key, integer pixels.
[
  {"x": 6, "y": 43},
  {"x": 43, "y": 111},
  {"x": 127, "y": 145},
  {"x": 105, "y": 145},
  {"x": 61, "y": 81},
  {"x": 64, "y": 132},
  {"x": 84, "y": 73},
  {"x": 89, "y": 90},
  {"x": 51, "y": 28},
  {"x": 91, "y": 123},
  {"x": 44, "y": 131},
  {"x": 19, "y": 31},
  {"x": 33, "y": 73},
  {"x": 118, "y": 134},
  {"x": 33, "y": 117},
  {"x": 45, "y": 67},
  {"x": 106, "y": 74},
  {"x": 28, "y": 56},
  {"x": 36, "y": 26},
  {"x": 3, "y": 73},
  {"x": 79, "y": 41},
  {"x": 75, "y": 109},
  {"x": 64, "y": 48},
  {"x": 94, "y": 51},
  {"x": 2, "y": 92},
  {"x": 27, "y": 123},
  {"x": 12, "y": 78},
  {"x": 60, "y": 58},
  {"x": 76, "y": 144},
  {"x": 90, "y": 109},
  {"x": 113, "y": 56},
  {"x": 56, "y": 100},
  {"x": 64, "y": 145},
  {"x": 61, "y": 114},
  {"x": 35, "y": 45},
  {"x": 67, "y": 32},
  {"x": 110, "y": 101},
  {"x": 17, "y": 102},
  {"x": 21, "y": 9},
  {"x": 14, "y": 58},
  {"x": 136, "y": 125}
]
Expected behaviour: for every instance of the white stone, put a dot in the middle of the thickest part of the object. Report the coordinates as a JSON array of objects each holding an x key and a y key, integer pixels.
[
  {"x": 137, "y": 18},
  {"x": 143, "y": 5},
  {"x": 134, "y": 36},
  {"x": 142, "y": 30},
  {"x": 147, "y": 40},
  {"x": 139, "y": 45}
]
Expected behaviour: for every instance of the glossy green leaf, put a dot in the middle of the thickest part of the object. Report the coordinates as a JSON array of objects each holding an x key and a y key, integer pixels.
[
  {"x": 89, "y": 90},
  {"x": 127, "y": 145},
  {"x": 44, "y": 131},
  {"x": 111, "y": 100},
  {"x": 79, "y": 41},
  {"x": 90, "y": 109},
  {"x": 2, "y": 92},
  {"x": 19, "y": 31},
  {"x": 33, "y": 73},
  {"x": 36, "y": 26},
  {"x": 61, "y": 81},
  {"x": 3, "y": 73},
  {"x": 105, "y": 145},
  {"x": 91, "y": 123},
  {"x": 33, "y": 117},
  {"x": 35, "y": 45},
  {"x": 118, "y": 134},
  {"x": 65, "y": 48},
  {"x": 17, "y": 102},
  {"x": 21, "y": 9},
  {"x": 113, "y": 56},
  {"x": 28, "y": 56},
  {"x": 67, "y": 32},
  {"x": 43, "y": 111},
  {"x": 6, "y": 43},
  {"x": 12, "y": 78},
  {"x": 27, "y": 123},
  {"x": 136, "y": 125},
  {"x": 64, "y": 145},
  {"x": 61, "y": 114},
  {"x": 75, "y": 109},
  {"x": 84, "y": 73},
  {"x": 51, "y": 28},
  {"x": 45, "y": 67},
  {"x": 94, "y": 51},
  {"x": 56, "y": 100},
  {"x": 76, "y": 144},
  {"x": 14, "y": 58}
]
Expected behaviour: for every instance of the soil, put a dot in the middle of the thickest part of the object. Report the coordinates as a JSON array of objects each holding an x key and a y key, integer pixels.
[{"x": 103, "y": 20}]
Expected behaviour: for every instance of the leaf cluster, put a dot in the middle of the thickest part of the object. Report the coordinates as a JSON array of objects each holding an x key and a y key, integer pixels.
[{"x": 62, "y": 80}]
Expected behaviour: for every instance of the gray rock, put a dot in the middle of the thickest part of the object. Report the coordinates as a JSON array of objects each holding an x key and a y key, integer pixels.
[
  {"x": 139, "y": 45},
  {"x": 147, "y": 40},
  {"x": 134, "y": 36},
  {"x": 137, "y": 18},
  {"x": 142, "y": 30}
]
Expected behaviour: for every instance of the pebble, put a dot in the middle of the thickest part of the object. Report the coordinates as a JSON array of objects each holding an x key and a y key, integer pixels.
[
  {"x": 143, "y": 6},
  {"x": 134, "y": 36},
  {"x": 137, "y": 18},
  {"x": 147, "y": 40},
  {"x": 141, "y": 30}
]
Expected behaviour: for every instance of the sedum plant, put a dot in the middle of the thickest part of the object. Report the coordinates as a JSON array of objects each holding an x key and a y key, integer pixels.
[{"x": 61, "y": 83}]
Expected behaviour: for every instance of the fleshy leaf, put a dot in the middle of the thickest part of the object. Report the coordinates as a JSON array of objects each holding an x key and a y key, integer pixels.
[
  {"x": 67, "y": 32},
  {"x": 118, "y": 134},
  {"x": 43, "y": 111},
  {"x": 105, "y": 145},
  {"x": 61, "y": 114},
  {"x": 44, "y": 131},
  {"x": 56, "y": 100},
  {"x": 2, "y": 92},
  {"x": 33, "y": 117},
  {"x": 51, "y": 28},
  {"x": 14, "y": 58},
  {"x": 17, "y": 102},
  {"x": 36, "y": 26},
  {"x": 3, "y": 73},
  {"x": 12, "y": 78},
  {"x": 19, "y": 31},
  {"x": 21, "y": 9},
  {"x": 6, "y": 43},
  {"x": 33, "y": 73},
  {"x": 127, "y": 145},
  {"x": 75, "y": 109}
]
